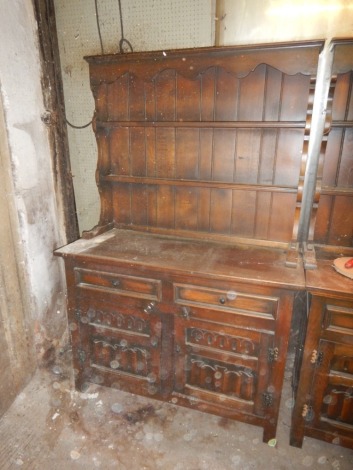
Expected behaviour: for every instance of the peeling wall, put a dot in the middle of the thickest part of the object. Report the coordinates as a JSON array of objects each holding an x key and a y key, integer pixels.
[
  {"x": 148, "y": 25},
  {"x": 17, "y": 356},
  {"x": 31, "y": 171}
]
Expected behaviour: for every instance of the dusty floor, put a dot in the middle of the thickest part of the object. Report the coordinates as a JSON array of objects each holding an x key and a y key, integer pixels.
[{"x": 53, "y": 427}]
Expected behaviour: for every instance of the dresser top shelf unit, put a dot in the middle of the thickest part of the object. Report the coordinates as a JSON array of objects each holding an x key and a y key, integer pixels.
[{"x": 206, "y": 143}]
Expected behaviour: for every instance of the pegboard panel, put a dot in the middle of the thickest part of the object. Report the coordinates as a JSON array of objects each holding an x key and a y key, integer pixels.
[{"x": 148, "y": 25}]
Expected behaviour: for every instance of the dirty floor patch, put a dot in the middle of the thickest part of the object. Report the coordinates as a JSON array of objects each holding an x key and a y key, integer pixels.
[{"x": 53, "y": 427}]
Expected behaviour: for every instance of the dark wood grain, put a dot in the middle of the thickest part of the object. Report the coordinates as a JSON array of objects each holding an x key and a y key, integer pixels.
[{"x": 223, "y": 118}]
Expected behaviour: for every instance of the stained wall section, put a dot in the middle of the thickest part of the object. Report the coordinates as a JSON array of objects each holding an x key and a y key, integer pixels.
[{"x": 27, "y": 179}]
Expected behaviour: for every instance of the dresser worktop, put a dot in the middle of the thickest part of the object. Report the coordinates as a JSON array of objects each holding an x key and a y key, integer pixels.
[{"x": 237, "y": 262}]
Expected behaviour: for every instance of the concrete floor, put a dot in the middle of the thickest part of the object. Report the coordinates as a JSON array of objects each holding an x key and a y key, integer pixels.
[{"x": 51, "y": 426}]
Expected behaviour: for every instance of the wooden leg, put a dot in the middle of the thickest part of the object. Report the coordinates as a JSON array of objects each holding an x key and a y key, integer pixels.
[
  {"x": 296, "y": 441},
  {"x": 269, "y": 433}
]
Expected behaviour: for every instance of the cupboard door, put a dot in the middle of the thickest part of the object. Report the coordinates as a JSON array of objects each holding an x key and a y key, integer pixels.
[
  {"x": 226, "y": 370},
  {"x": 328, "y": 410},
  {"x": 118, "y": 344},
  {"x": 324, "y": 402}
]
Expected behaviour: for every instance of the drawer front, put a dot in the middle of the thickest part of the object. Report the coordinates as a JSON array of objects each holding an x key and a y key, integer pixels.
[
  {"x": 227, "y": 300},
  {"x": 338, "y": 318},
  {"x": 118, "y": 283}
]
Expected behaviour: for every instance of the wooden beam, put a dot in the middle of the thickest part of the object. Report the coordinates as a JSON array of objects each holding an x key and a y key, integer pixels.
[{"x": 55, "y": 116}]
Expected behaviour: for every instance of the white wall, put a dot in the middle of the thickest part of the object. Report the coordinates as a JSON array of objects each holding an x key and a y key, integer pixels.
[
  {"x": 256, "y": 21},
  {"x": 33, "y": 194},
  {"x": 148, "y": 25}
]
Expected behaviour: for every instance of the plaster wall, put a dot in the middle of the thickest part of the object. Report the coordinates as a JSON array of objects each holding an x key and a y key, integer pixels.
[
  {"x": 257, "y": 21},
  {"x": 30, "y": 169},
  {"x": 17, "y": 358}
]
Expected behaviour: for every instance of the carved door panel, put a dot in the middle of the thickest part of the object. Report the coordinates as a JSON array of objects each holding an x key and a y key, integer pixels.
[
  {"x": 331, "y": 408},
  {"x": 324, "y": 402},
  {"x": 118, "y": 344},
  {"x": 224, "y": 366}
]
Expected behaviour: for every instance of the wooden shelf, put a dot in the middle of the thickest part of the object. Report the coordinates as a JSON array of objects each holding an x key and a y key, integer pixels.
[
  {"x": 198, "y": 183},
  {"x": 336, "y": 191},
  {"x": 335, "y": 124},
  {"x": 205, "y": 124}
]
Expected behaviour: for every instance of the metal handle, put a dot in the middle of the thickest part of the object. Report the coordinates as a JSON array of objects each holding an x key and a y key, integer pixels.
[
  {"x": 185, "y": 312},
  {"x": 115, "y": 282},
  {"x": 150, "y": 308},
  {"x": 222, "y": 300}
]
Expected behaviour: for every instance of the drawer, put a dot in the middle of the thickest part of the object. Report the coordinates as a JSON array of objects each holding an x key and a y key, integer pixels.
[
  {"x": 227, "y": 300},
  {"x": 118, "y": 283},
  {"x": 338, "y": 317}
]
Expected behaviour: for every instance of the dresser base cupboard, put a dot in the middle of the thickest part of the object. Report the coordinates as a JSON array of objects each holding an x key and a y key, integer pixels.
[
  {"x": 324, "y": 399},
  {"x": 200, "y": 324}
]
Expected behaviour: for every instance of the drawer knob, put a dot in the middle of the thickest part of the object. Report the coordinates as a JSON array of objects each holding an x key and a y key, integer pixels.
[
  {"x": 222, "y": 300},
  {"x": 115, "y": 283}
]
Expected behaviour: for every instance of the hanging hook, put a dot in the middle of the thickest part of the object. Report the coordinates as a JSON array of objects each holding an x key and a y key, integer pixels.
[{"x": 123, "y": 40}]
